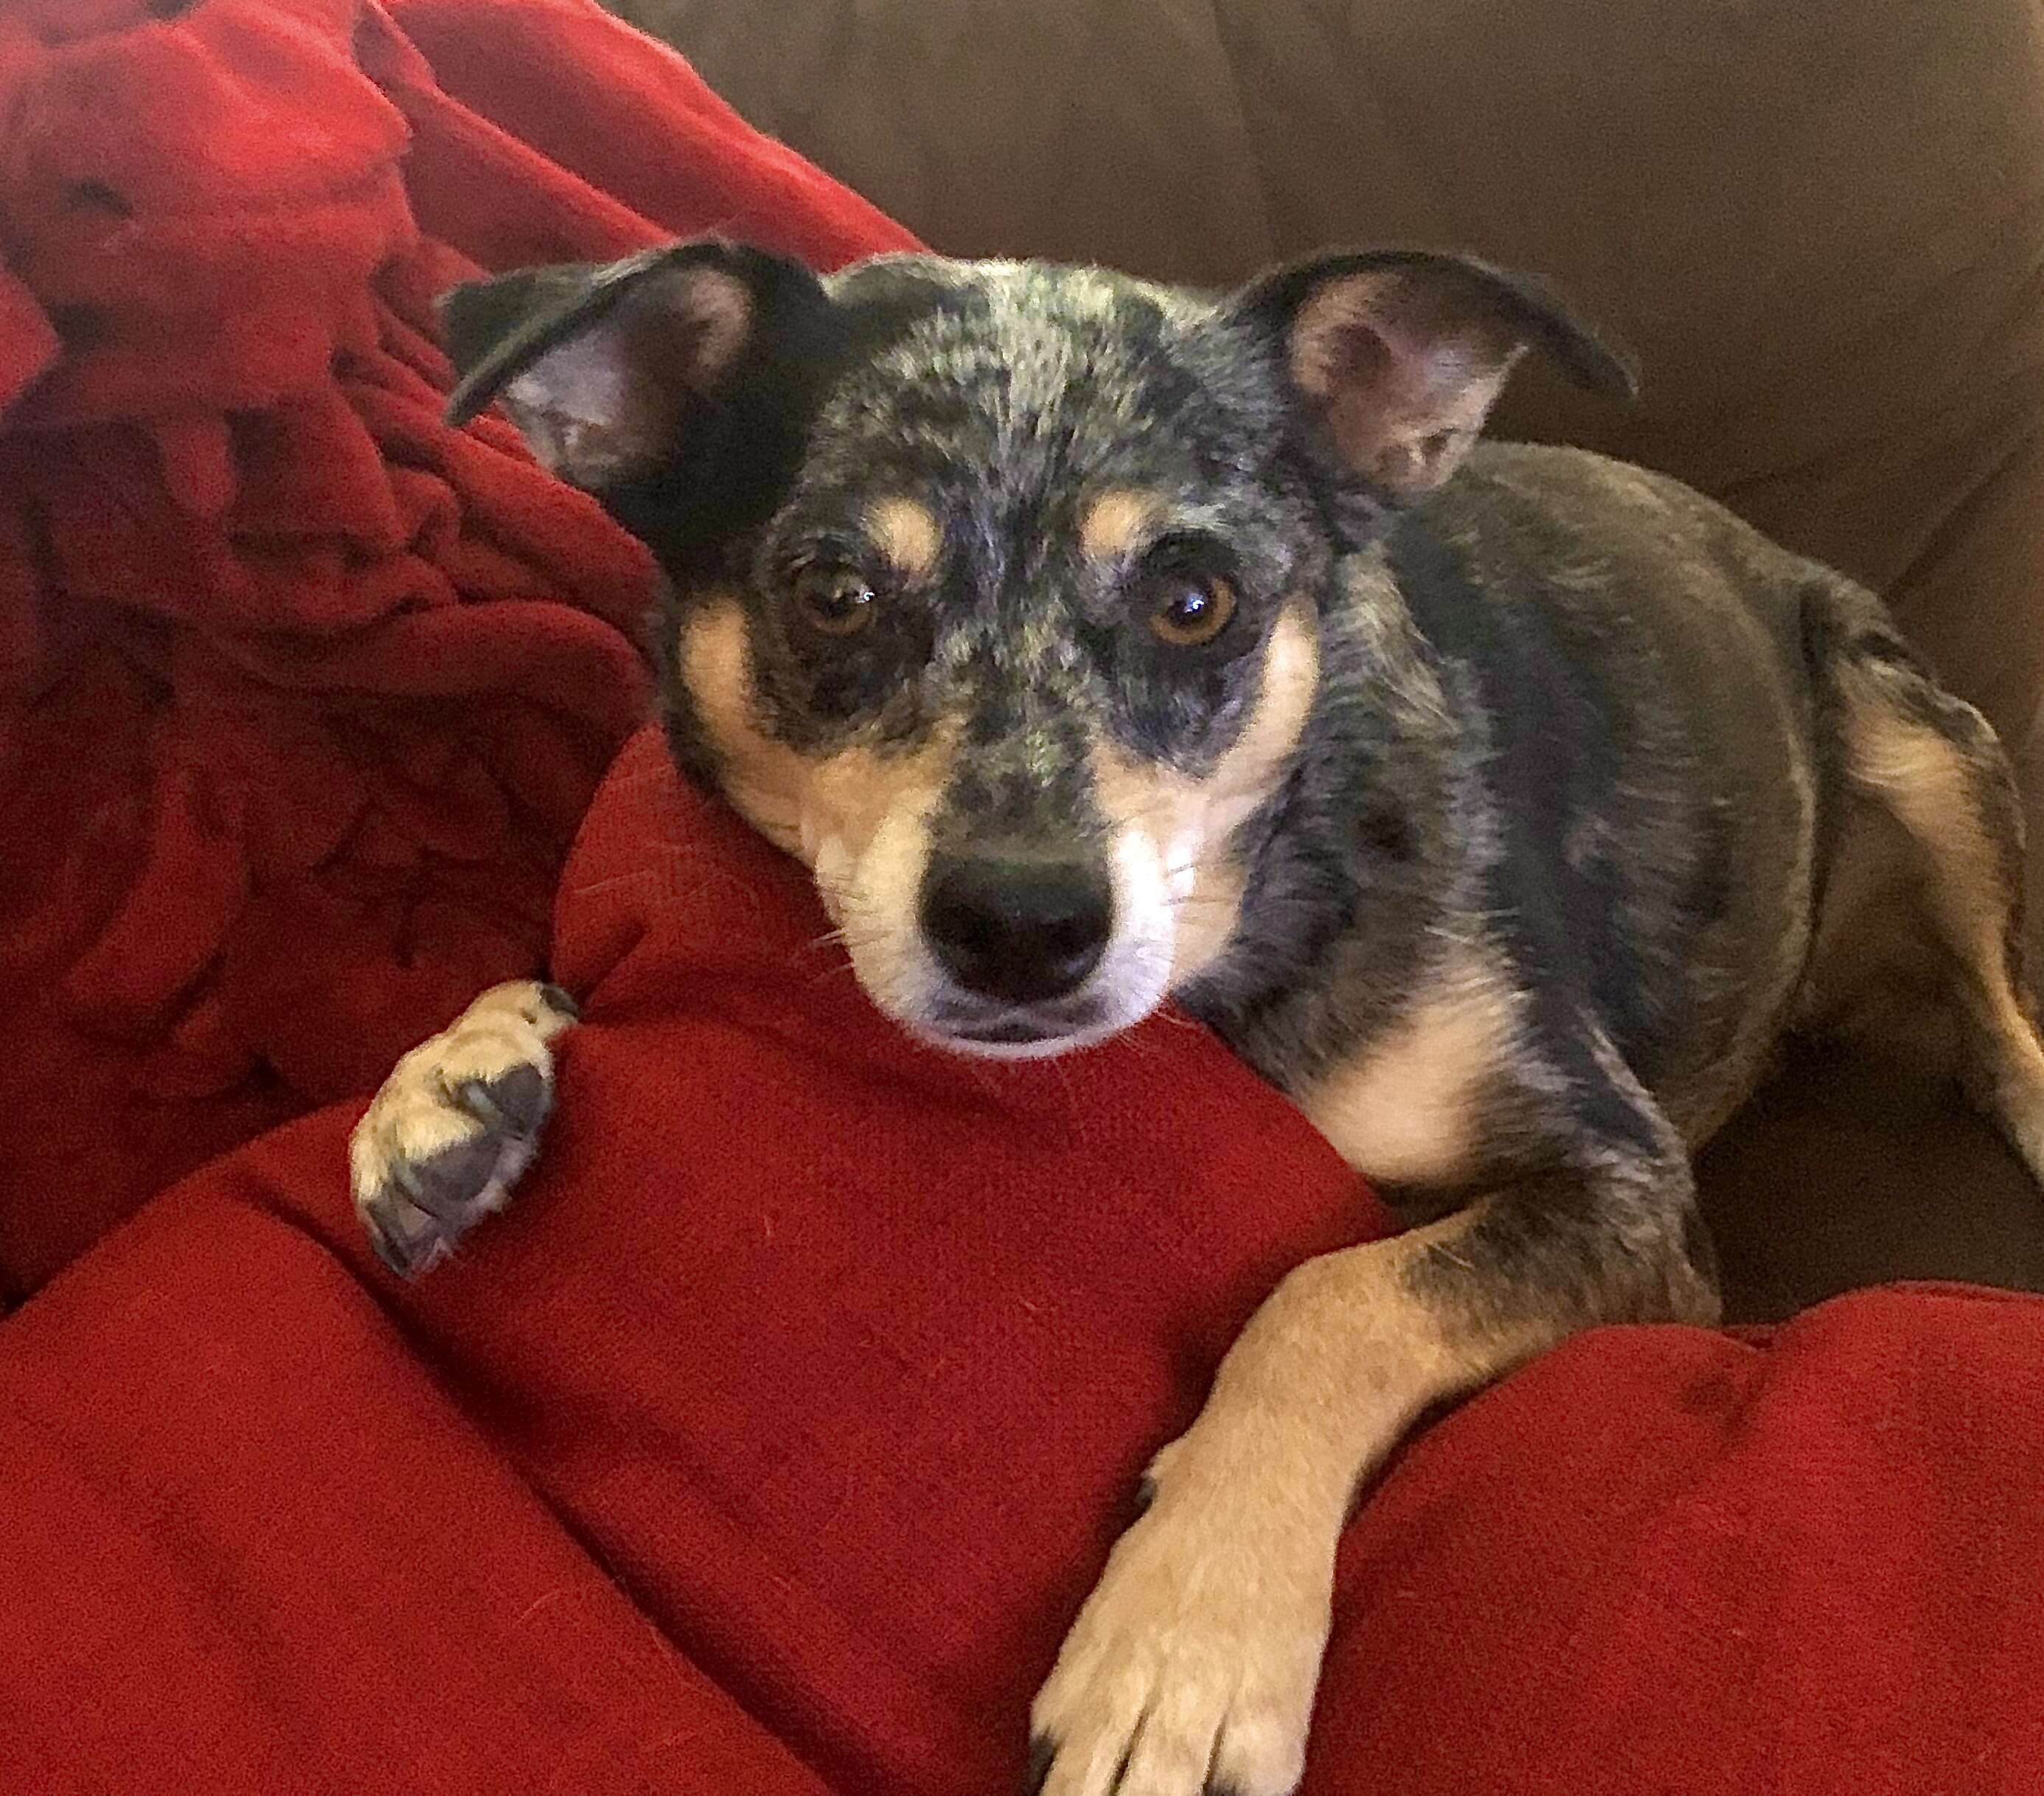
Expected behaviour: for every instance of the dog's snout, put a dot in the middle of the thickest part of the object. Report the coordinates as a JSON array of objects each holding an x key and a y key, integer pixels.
[{"x": 1018, "y": 929}]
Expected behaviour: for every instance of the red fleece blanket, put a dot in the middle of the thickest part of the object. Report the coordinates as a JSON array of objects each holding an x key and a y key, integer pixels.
[
  {"x": 839, "y": 1358},
  {"x": 301, "y": 694}
]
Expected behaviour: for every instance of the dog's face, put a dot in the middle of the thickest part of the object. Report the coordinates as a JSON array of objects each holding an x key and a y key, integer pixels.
[
  {"x": 1000, "y": 587},
  {"x": 1028, "y": 634}
]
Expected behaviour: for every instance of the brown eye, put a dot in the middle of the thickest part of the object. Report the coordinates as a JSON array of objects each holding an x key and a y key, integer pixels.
[
  {"x": 837, "y": 601},
  {"x": 1190, "y": 612}
]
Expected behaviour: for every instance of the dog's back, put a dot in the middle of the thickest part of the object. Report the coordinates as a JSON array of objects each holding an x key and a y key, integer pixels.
[{"x": 1642, "y": 657}]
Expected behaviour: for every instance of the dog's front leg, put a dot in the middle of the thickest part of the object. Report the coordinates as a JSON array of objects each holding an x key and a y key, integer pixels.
[{"x": 1193, "y": 1666}]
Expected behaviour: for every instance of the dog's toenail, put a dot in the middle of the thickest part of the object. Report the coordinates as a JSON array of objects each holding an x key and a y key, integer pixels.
[
  {"x": 398, "y": 1252},
  {"x": 1043, "y": 1753}
]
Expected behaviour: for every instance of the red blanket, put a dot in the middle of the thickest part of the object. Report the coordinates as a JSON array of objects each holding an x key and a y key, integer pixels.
[
  {"x": 301, "y": 694},
  {"x": 839, "y": 1358}
]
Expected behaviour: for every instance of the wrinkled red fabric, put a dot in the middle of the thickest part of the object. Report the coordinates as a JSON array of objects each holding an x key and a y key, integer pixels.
[
  {"x": 302, "y": 694},
  {"x": 839, "y": 1358}
]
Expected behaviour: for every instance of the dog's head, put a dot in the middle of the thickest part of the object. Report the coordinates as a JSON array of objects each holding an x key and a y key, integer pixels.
[{"x": 999, "y": 587}]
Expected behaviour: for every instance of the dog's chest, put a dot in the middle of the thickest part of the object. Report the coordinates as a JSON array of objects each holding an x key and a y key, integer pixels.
[{"x": 1408, "y": 1108}]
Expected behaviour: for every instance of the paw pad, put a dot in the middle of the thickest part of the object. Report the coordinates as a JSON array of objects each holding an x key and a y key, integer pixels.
[{"x": 455, "y": 1124}]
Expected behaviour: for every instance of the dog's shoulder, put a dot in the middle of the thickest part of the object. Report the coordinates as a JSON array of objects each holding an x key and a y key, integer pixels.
[
  {"x": 1579, "y": 525},
  {"x": 1552, "y": 571}
]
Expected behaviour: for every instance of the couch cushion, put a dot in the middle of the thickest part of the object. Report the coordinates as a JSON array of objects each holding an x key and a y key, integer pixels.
[
  {"x": 1661, "y": 1561},
  {"x": 248, "y": 1545}
]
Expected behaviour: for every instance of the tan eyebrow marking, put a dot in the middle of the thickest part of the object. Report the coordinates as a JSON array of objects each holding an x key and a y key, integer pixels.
[
  {"x": 907, "y": 533},
  {"x": 1115, "y": 522}
]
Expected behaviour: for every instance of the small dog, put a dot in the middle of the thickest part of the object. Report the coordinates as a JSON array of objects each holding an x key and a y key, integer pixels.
[{"x": 1094, "y": 642}]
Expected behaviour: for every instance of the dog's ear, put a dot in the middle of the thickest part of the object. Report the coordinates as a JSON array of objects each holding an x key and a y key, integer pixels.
[
  {"x": 600, "y": 365},
  {"x": 1398, "y": 355}
]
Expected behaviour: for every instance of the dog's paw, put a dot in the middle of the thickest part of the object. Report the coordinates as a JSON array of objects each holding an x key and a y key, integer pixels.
[
  {"x": 456, "y": 1122},
  {"x": 1191, "y": 1670}
]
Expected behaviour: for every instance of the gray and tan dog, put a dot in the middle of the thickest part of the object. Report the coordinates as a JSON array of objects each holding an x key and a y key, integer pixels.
[{"x": 1095, "y": 643}]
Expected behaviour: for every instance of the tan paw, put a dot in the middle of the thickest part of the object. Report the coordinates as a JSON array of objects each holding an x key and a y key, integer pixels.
[
  {"x": 455, "y": 1124},
  {"x": 1191, "y": 1670}
]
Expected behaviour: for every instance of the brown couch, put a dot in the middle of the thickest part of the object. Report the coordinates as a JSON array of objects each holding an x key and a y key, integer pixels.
[{"x": 1822, "y": 227}]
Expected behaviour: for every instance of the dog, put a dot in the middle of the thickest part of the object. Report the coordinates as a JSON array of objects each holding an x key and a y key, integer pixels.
[{"x": 1095, "y": 643}]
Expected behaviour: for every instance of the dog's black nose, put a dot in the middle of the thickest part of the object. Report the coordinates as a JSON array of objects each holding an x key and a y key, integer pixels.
[{"x": 1023, "y": 930}]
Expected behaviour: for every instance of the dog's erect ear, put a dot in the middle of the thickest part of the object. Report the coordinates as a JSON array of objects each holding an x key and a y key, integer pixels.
[
  {"x": 1399, "y": 353},
  {"x": 599, "y": 364}
]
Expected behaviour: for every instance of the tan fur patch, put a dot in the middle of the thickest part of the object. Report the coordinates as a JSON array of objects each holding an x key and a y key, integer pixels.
[
  {"x": 1919, "y": 777},
  {"x": 798, "y": 802},
  {"x": 907, "y": 532},
  {"x": 766, "y": 780},
  {"x": 1405, "y": 1112},
  {"x": 1116, "y": 521},
  {"x": 1926, "y": 784},
  {"x": 1345, "y": 1344},
  {"x": 1189, "y": 822},
  {"x": 1207, "y": 914},
  {"x": 1208, "y": 1623}
]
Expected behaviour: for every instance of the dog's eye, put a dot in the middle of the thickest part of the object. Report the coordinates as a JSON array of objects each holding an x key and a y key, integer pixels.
[
  {"x": 1189, "y": 611},
  {"x": 837, "y": 601}
]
